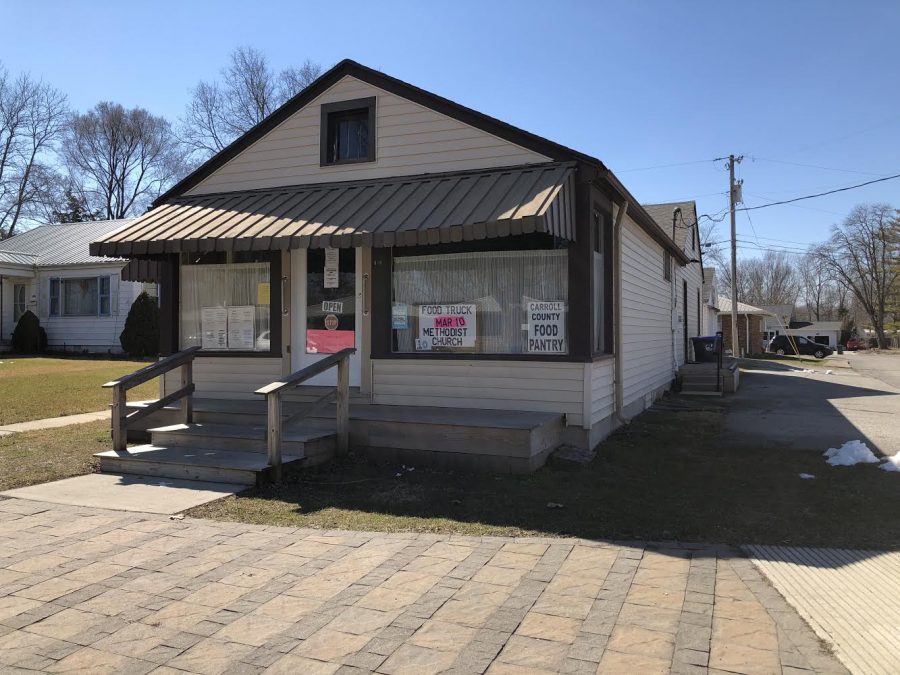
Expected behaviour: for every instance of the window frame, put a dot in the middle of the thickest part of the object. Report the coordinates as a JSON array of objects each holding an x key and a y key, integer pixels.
[
  {"x": 381, "y": 330},
  {"x": 328, "y": 110},
  {"x": 170, "y": 338},
  {"x": 602, "y": 337},
  {"x": 56, "y": 292},
  {"x": 17, "y": 313}
]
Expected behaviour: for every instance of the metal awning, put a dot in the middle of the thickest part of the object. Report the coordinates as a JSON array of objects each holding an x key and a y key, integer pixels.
[{"x": 399, "y": 211}]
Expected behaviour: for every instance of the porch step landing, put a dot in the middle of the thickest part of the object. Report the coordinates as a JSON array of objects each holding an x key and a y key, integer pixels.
[
  {"x": 199, "y": 464},
  {"x": 224, "y": 453}
]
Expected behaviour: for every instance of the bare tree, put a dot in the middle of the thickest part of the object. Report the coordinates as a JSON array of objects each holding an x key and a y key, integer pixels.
[
  {"x": 248, "y": 92},
  {"x": 769, "y": 280},
  {"x": 119, "y": 160},
  {"x": 863, "y": 253},
  {"x": 817, "y": 286},
  {"x": 32, "y": 118}
]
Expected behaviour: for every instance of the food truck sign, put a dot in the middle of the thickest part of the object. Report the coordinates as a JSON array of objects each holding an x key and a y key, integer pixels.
[
  {"x": 546, "y": 327},
  {"x": 446, "y": 327}
]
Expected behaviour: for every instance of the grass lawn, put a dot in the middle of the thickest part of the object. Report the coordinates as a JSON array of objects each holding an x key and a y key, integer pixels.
[
  {"x": 666, "y": 476},
  {"x": 33, "y": 388},
  {"x": 50, "y": 454}
]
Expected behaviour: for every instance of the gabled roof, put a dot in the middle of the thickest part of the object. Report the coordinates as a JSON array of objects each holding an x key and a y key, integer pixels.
[
  {"x": 724, "y": 305},
  {"x": 492, "y": 125},
  {"x": 684, "y": 225},
  {"x": 59, "y": 243}
]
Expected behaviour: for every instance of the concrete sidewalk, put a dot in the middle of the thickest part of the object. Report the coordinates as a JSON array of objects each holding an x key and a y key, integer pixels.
[
  {"x": 53, "y": 422},
  {"x": 89, "y": 590}
]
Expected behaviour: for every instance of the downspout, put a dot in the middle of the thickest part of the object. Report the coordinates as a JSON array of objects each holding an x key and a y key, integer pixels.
[
  {"x": 619, "y": 405},
  {"x": 673, "y": 276}
]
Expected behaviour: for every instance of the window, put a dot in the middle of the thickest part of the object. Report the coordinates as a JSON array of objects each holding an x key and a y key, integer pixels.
[
  {"x": 225, "y": 302},
  {"x": 87, "y": 296},
  {"x": 348, "y": 132},
  {"x": 330, "y": 300},
  {"x": 20, "y": 304},
  {"x": 481, "y": 302},
  {"x": 667, "y": 266}
]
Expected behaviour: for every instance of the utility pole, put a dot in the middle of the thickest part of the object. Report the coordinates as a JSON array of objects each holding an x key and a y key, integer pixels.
[{"x": 734, "y": 197}]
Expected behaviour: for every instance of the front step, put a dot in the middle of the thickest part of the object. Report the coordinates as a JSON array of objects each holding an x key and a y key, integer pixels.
[
  {"x": 315, "y": 444},
  {"x": 201, "y": 464}
]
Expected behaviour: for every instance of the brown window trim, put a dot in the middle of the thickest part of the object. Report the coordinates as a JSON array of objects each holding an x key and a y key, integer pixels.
[
  {"x": 170, "y": 313},
  {"x": 342, "y": 106},
  {"x": 606, "y": 249},
  {"x": 382, "y": 263}
]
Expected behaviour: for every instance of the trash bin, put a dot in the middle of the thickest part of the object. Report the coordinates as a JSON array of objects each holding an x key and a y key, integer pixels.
[
  {"x": 840, "y": 349},
  {"x": 706, "y": 348}
]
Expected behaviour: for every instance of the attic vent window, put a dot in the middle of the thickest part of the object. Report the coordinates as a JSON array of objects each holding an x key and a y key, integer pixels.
[{"x": 348, "y": 132}]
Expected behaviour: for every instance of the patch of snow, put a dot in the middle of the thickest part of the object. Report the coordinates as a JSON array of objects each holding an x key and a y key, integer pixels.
[
  {"x": 554, "y": 505},
  {"x": 850, "y": 453},
  {"x": 807, "y": 370},
  {"x": 829, "y": 372},
  {"x": 891, "y": 463},
  {"x": 807, "y": 476}
]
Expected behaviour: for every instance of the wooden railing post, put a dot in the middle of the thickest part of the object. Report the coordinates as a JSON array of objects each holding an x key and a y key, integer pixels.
[
  {"x": 117, "y": 416},
  {"x": 273, "y": 433},
  {"x": 187, "y": 404},
  {"x": 343, "y": 405}
]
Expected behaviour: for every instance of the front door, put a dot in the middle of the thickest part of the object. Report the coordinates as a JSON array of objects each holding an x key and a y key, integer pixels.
[{"x": 327, "y": 305}]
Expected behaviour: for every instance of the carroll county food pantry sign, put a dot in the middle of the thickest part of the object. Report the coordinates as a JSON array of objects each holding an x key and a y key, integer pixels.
[
  {"x": 546, "y": 327},
  {"x": 446, "y": 327}
]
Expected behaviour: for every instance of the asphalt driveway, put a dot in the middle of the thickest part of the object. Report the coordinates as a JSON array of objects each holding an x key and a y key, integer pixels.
[{"x": 782, "y": 405}]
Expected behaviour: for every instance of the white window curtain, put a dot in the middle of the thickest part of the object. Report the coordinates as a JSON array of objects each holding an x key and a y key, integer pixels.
[
  {"x": 230, "y": 285},
  {"x": 500, "y": 283}
]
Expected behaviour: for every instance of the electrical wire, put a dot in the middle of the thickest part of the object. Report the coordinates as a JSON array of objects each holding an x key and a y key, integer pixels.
[
  {"x": 669, "y": 166},
  {"x": 815, "y": 166},
  {"x": 820, "y": 194}
]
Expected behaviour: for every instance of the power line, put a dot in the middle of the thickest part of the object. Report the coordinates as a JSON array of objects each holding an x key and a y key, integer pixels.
[
  {"x": 668, "y": 166},
  {"x": 820, "y": 194},
  {"x": 815, "y": 166}
]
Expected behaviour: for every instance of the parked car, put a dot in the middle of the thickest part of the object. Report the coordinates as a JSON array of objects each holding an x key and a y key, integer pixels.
[
  {"x": 855, "y": 343},
  {"x": 784, "y": 344}
]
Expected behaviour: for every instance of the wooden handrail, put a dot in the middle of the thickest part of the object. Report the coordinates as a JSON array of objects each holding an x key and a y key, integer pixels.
[
  {"x": 273, "y": 392},
  {"x": 306, "y": 373},
  {"x": 154, "y": 370},
  {"x": 120, "y": 420}
]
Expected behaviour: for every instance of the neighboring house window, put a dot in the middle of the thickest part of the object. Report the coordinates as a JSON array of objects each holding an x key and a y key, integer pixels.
[
  {"x": 481, "y": 301},
  {"x": 87, "y": 296},
  {"x": 20, "y": 304},
  {"x": 348, "y": 132},
  {"x": 667, "y": 266}
]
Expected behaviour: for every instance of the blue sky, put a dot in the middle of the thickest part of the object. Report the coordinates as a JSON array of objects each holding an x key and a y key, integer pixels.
[{"x": 638, "y": 84}]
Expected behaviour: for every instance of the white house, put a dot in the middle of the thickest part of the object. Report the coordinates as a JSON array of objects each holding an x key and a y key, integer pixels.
[
  {"x": 488, "y": 278},
  {"x": 79, "y": 298}
]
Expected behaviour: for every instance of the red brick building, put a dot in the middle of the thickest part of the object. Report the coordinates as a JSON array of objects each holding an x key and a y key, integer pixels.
[{"x": 750, "y": 326}]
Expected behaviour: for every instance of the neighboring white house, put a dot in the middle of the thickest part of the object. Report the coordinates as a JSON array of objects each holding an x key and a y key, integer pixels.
[
  {"x": 781, "y": 321},
  {"x": 711, "y": 302},
  {"x": 364, "y": 207},
  {"x": 80, "y": 299}
]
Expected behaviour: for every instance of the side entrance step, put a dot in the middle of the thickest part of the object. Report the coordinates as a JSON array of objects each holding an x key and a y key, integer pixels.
[{"x": 203, "y": 464}]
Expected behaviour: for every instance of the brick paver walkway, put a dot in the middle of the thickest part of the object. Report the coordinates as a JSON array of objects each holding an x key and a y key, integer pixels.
[{"x": 87, "y": 590}]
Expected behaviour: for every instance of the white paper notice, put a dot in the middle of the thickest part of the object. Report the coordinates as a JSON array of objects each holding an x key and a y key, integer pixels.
[
  {"x": 332, "y": 263},
  {"x": 546, "y": 327},
  {"x": 241, "y": 333},
  {"x": 213, "y": 328},
  {"x": 447, "y": 326}
]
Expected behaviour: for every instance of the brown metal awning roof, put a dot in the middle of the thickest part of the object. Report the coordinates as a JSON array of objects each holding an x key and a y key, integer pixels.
[{"x": 407, "y": 211}]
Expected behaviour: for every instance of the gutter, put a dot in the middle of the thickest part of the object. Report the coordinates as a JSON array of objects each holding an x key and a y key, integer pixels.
[{"x": 619, "y": 395}]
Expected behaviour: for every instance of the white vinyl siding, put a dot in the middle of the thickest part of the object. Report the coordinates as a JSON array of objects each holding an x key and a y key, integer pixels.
[
  {"x": 491, "y": 385},
  {"x": 230, "y": 377},
  {"x": 646, "y": 316},
  {"x": 411, "y": 139},
  {"x": 602, "y": 401}
]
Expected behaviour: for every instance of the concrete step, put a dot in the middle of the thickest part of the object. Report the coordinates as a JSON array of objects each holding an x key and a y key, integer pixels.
[
  {"x": 302, "y": 441},
  {"x": 695, "y": 386},
  {"x": 200, "y": 464},
  {"x": 701, "y": 393}
]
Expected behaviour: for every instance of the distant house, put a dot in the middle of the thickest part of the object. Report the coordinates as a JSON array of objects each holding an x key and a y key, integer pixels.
[
  {"x": 80, "y": 299},
  {"x": 782, "y": 321},
  {"x": 750, "y": 325},
  {"x": 711, "y": 302}
]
